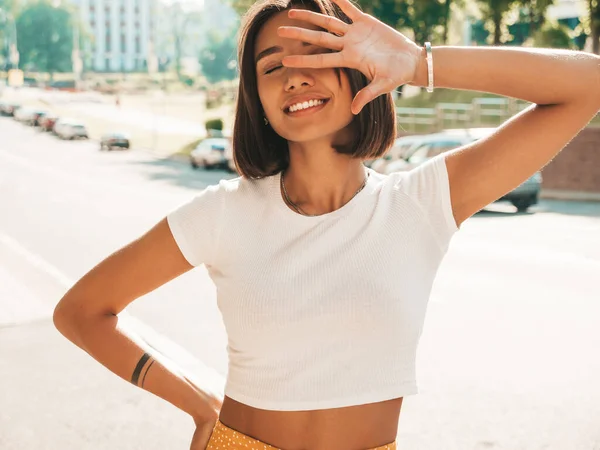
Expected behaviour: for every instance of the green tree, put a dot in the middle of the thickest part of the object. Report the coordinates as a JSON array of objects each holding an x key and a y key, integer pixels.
[
  {"x": 181, "y": 18},
  {"x": 553, "y": 35},
  {"x": 241, "y": 6},
  {"x": 45, "y": 37},
  {"x": 594, "y": 24},
  {"x": 536, "y": 11},
  {"x": 494, "y": 11},
  {"x": 218, "y": 58}
]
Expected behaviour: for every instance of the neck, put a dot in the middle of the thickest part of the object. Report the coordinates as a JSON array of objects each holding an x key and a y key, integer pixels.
[{"x": 319, "y": 180}]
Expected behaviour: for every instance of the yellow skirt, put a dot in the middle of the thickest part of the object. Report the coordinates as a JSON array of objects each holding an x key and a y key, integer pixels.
[{"x": 225, "y": 438}]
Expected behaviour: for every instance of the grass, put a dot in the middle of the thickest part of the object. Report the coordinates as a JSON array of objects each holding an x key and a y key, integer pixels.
[{"x": 189, "y": 107}]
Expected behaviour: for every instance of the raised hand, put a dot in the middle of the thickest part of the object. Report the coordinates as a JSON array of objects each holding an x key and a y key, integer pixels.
[{"x": 385, "y": 56}]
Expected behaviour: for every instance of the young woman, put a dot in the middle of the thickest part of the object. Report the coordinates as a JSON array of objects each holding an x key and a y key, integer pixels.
[{"x": 323, "y": 268}]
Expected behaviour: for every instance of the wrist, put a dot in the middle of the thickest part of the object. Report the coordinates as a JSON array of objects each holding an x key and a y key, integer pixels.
[{"x": 420, "y": 77}]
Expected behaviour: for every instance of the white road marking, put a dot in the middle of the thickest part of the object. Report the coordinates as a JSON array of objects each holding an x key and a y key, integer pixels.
[
  {"x": 36, "y": 260},
  {"x": 20, "y": 305}
]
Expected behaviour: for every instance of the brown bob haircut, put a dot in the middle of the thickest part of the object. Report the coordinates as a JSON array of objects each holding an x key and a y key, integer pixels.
[{"x": 258, "y": 150}]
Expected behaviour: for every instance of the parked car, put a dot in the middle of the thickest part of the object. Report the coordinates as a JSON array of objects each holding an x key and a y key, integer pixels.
[
  {"x": 70, "y": 129},
  {"x": 522, "y": 197},
  {"x": 37, "y": 117},
  {"x": 396, "y": 152},
  {"x": 47, "y": 121},
  {"x": 112, "y": 140},
  {"x": 24, "y": 115},
  {"x": 8, "y": 108},
  {"x": 211, "y": 153}
]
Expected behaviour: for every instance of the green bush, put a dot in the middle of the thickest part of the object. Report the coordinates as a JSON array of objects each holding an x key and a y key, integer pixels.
[
  {"x": 553, "y": 35},
  {"x": 214, "y": 124}
]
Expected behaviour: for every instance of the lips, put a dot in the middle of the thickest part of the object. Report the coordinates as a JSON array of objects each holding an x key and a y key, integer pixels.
[{"x": 303, "y": 101}]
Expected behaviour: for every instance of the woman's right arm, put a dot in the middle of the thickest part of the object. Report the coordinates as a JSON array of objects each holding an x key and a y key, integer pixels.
[{"x": 87, "y": 316}]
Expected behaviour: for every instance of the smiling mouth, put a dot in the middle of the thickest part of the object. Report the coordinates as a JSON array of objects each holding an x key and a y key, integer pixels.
[{"x": 308, "y": 106}]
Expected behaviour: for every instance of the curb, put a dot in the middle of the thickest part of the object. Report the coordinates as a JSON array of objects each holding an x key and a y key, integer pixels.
[{"x": 557, "y": 194}]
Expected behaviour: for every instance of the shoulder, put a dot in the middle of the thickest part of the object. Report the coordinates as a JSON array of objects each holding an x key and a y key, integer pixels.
[{"x": 244, "y": 189}]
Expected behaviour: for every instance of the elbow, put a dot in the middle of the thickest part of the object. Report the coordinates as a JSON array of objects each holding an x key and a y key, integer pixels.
[
  {"x": 64, "y": 320},
  {"x": 74, "y": 321}
]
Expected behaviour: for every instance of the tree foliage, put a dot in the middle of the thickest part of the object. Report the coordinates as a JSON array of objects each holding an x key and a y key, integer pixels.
[
  {"x": 218, "y": 58},
  {"x": 45, "y": 37},
  {"x": 553, "y": 35},
  {"x": 428, "y": 19},
  {"x": 241, "y": 6}
]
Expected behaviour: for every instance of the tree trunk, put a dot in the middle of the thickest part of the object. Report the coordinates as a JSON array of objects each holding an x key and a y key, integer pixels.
[
  {"x": 596, "y": 40},
  {"x": 595, "y": 26},
  {"x": 446, "y": 20},
  {"x": 497, "y": 29}
]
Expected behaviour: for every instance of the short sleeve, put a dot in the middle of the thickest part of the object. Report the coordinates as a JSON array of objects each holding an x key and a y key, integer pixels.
[
  {"x": 196, "y": 225},
  {"x": 429, "y": 187}
]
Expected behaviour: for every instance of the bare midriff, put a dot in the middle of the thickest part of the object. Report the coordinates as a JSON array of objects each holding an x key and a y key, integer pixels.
[{"x": 350, "y": 428}]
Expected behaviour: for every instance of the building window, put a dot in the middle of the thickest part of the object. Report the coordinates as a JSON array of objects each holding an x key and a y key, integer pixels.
[
  {"x": 92, "y": 9},
  {"x": 122, "y": 43},
  {"x": 107, "y": 64},
  {"x": 138, "y": 47},
  {"x": 107, "y": 42},
  {"x": 93, "y": 24}
]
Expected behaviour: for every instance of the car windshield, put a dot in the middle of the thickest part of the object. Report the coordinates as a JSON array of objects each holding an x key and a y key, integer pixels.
[
  {"x": 431, "y": 149},
  {"x": 212, "y": 144}
]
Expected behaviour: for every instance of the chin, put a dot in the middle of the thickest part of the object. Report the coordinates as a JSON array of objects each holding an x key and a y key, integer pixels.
[{"x": 311, "y": 132}]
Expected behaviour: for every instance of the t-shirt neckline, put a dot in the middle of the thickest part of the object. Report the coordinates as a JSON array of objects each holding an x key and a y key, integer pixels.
[{"x": 284, "y": 208}]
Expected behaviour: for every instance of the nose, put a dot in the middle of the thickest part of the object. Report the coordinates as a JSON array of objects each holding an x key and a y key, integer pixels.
[{"x": 298, "y": 78}]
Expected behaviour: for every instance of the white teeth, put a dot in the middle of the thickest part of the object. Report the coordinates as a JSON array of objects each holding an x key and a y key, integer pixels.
[{"x": 305, "y": 105}]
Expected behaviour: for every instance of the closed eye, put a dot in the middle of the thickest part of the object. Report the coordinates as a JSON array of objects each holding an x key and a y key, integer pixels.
[{"x": 272, "y": 70}]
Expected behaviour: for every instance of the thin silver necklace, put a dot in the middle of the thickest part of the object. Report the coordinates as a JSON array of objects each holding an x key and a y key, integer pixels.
[{"x": 300, "y": 211}]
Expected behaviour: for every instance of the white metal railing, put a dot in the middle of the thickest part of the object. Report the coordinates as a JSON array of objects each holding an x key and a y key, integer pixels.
[{"x": 459, "y": 114}]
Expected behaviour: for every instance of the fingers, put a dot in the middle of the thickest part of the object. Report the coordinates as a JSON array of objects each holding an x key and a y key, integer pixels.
[
  {"x": 349, "y": 9},
  {"x": 320, "y": 38},
  {"x": 376, "y": 88},
  {"x": 329, "y": 23},
  {"x": 320, "y": 61}
]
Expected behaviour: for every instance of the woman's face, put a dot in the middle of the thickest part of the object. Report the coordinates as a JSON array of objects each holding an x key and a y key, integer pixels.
[{"x": 301, "y": 105}]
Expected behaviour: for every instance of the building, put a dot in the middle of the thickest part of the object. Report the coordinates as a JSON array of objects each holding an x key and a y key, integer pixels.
[{"x": 121, "y": 31}]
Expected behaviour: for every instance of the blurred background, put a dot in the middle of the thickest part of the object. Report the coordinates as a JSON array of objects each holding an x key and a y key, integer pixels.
[{"x": 114, "y": 112}]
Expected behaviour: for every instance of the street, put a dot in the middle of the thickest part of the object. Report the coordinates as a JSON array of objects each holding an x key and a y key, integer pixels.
[{"x": 508, "y": 358}]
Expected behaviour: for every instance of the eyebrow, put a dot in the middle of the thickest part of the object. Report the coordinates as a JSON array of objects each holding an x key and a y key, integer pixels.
[{"x": 275, "y": 49}]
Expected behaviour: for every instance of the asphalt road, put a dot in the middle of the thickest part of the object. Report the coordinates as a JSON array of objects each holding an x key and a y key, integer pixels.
[{"x": 508, "y": 359}]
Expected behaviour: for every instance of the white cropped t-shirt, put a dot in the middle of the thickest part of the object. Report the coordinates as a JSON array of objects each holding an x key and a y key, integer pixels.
[{"x": 326, "y": 311}]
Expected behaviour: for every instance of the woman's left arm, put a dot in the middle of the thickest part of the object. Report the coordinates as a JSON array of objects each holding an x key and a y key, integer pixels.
[{"x": 564, "y": 87}]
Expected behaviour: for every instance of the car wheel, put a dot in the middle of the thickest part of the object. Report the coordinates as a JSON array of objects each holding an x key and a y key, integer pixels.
[
  {"x": 522, "y": 204},
  {"x": 101, "y": 147},
  {"x": 194, "y": 164}
]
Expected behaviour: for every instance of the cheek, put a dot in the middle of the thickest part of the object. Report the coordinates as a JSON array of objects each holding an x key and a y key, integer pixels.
[
  {"x": 345, "y": 89},
  {"x": 267, "y": 97}
]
